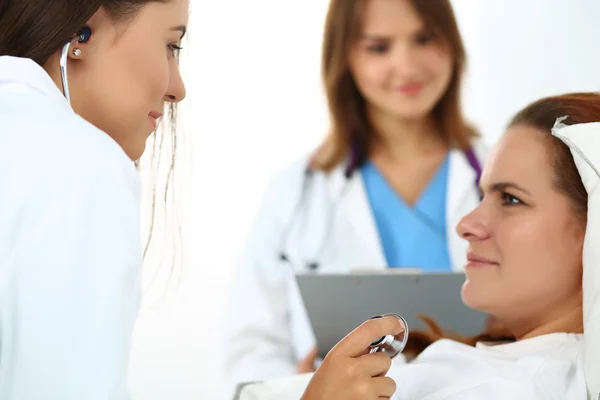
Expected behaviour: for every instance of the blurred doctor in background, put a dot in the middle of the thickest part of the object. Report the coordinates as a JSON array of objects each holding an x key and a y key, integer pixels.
[{"x": 397, "y": 172}]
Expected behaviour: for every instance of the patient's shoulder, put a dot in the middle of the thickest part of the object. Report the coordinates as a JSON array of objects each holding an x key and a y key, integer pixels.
[
  {"x": 445, "y": 346},
  {"x": 525, "y": 369},
  {"x": 553, "y": 345}
]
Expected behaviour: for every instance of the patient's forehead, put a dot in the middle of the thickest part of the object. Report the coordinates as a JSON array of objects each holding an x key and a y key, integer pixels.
[{"x": 521, "y": 156}]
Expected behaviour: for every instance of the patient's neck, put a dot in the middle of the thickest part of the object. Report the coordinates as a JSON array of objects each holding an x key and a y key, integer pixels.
[{"x": 564, "y": 320}]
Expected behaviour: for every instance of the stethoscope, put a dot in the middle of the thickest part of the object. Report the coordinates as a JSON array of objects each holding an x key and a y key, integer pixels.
[
  {"x": 82, "y": 36},
  {"x": 307, "y": 176},
  {"x": 389, "y": 344},
  {"x": 351, "y": 166}
]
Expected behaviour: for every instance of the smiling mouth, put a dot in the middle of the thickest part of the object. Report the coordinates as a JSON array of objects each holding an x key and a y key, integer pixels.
[
  {"x": 411, "y": 89},
  {"x": 154, "y": 117},
  {"x": 474, "y": 261}
]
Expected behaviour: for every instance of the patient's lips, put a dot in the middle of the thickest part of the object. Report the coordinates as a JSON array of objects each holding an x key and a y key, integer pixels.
[{"x": 475, "y": 261}]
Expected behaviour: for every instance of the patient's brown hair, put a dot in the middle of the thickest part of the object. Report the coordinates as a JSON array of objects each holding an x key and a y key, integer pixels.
[
  {"x": 421, "y": 339},
  {"x": 578, "y": 108}
]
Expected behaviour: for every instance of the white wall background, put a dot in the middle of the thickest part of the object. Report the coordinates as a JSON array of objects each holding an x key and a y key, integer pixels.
[
  {"x": 521, "y": 50},
  {"x": 255, "y": 103}
]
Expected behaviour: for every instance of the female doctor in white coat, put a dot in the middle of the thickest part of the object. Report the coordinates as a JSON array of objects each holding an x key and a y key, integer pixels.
[
  {"x": 398, "y": 171},
  {"x": 82, "y": 84}
]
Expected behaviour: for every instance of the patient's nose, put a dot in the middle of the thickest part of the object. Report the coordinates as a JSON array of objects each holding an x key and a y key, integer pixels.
[{"x": 472, "y": 227}]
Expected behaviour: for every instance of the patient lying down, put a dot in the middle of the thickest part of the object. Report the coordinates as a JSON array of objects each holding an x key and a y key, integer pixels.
[{"x": 524, "y": 268}]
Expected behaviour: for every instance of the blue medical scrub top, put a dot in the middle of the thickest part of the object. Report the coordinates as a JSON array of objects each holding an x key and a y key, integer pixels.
[{"x": 411, "y": 236}]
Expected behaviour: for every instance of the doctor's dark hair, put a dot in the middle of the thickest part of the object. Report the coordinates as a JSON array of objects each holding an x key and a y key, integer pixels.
[
  {"x": 579, "y": 108},
  {"x": 37, "y": 29},
  {"x": 350, "y": 130}
]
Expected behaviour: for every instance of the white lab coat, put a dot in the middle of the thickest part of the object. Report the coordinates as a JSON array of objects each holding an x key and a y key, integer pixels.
[
  {"x": 540, "y": 368},
  {"x": 266, "y": 327},
  {"x": 70, "y": 248}
]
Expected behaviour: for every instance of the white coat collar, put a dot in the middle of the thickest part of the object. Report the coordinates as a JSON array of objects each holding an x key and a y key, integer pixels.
[
  {"x": 338, "y": 180},
  {"x": 28, "y": 72},
  {"x": 360, "y": 225}
]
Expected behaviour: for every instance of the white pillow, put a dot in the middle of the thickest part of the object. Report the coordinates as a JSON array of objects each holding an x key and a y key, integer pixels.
[{"x": 584, "y": 142}]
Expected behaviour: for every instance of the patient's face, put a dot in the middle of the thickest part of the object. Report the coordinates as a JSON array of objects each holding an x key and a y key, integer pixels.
[{"x": 525, "y": 242}]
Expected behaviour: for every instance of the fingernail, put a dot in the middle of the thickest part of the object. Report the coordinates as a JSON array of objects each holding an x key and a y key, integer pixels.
[{"x": 400, "y": 320}]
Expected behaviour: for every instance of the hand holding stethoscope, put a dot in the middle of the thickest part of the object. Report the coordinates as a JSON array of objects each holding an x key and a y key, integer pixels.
[{"x": 355, "y": 368}]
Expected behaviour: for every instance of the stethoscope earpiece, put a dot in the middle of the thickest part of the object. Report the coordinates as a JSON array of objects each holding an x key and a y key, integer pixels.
[{"x": 84, "y": 34}]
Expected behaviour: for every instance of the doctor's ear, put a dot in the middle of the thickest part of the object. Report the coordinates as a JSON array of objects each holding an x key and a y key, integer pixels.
[
  {"x": 79, "y": 44},
  {"x": 100, "y": 28}
]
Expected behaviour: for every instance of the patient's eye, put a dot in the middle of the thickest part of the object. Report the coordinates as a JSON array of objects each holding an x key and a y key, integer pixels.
[{"x": 510, "y": 200}]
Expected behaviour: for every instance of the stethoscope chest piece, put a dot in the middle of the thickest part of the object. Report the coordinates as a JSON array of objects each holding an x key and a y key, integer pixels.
[{"x": 390, "y": 344}]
